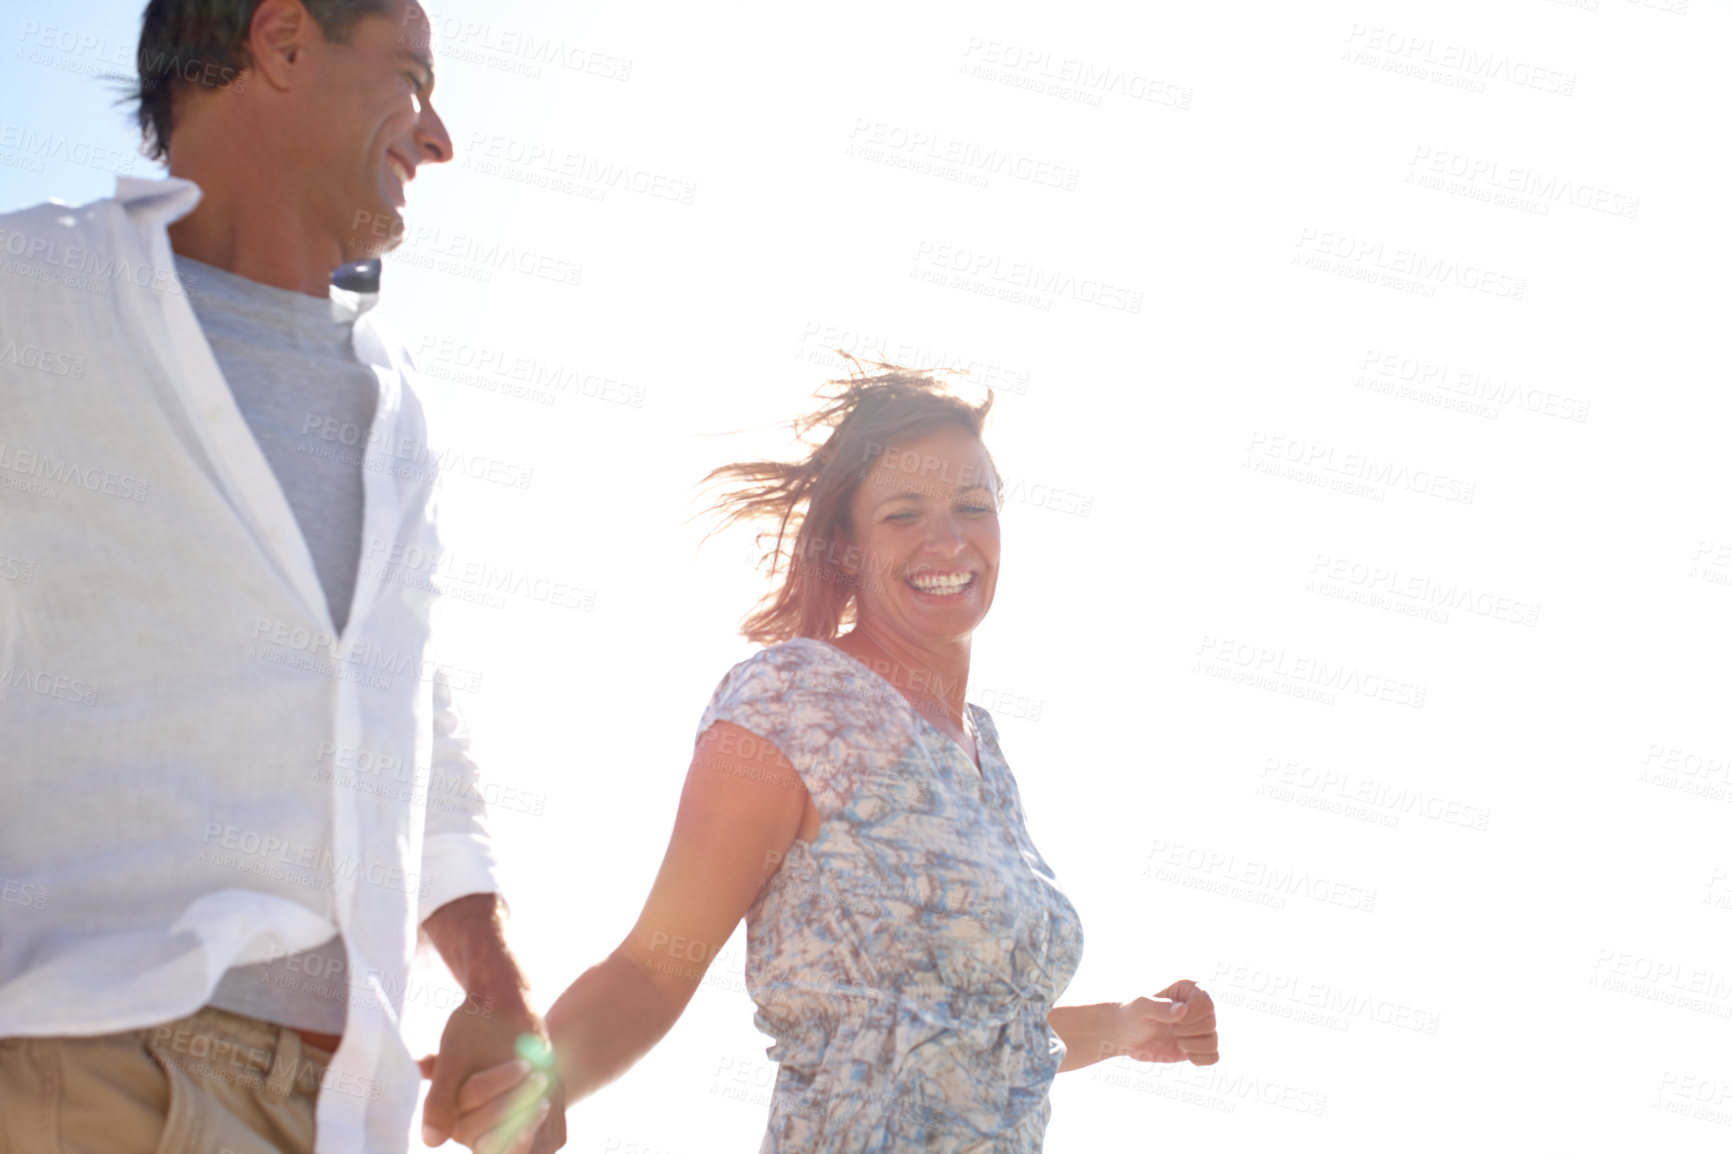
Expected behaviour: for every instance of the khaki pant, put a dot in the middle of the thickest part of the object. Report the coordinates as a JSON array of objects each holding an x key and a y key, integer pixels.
[{"x": 213, "y": 1083}]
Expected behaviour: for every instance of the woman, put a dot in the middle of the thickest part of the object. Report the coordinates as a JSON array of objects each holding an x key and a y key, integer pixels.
[{"x": 906, "y": 942}]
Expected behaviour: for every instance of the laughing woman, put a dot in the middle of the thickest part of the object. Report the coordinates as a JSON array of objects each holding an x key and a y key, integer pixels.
[{"x": 906, "y": 941}]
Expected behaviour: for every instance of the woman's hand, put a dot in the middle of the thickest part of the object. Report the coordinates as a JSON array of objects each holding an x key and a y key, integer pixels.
[
  {"x": 500, "y": 1110},
  {"x": 1176, "y": 1025}
]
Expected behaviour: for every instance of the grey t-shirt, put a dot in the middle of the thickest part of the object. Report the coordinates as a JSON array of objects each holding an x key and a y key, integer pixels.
[{"x": 289, "y": 361}]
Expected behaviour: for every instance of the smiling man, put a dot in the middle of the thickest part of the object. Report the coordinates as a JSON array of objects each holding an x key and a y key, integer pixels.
[{"x": 221, "y": 722}]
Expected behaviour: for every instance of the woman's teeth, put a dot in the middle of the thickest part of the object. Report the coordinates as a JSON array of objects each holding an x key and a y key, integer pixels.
[{"x": 941, "y": 582}]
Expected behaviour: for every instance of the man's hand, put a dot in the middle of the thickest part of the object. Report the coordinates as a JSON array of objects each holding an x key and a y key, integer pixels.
[
  {"x": 494, "y": 1027},
  {"x": 491, "y": 1106},
  {"x": 501, "y": 1108},
  {"x": 1176, "y": 1025}
]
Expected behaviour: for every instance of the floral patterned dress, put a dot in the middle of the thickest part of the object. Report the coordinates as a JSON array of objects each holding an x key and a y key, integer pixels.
[{"x": 905, "y": 960}]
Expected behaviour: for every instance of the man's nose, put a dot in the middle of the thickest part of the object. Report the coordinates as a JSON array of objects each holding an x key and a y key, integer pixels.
[{"x": 431, "y": 138}]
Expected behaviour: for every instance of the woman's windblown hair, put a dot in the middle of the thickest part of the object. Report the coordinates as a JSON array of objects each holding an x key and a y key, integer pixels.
[{"x": 806, "y": 502}]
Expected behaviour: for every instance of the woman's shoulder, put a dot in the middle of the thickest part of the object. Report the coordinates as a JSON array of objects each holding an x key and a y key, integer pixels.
[
  {"x": 797, "y": 672},
  {"x": 794, "y": 660}
]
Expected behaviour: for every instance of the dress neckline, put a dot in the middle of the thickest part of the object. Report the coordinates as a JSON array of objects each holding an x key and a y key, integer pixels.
[{"x": 977, "y": 764}]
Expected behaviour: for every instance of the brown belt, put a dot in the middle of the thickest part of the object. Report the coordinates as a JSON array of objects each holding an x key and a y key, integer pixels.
[{"x": 326, "y": 1042}]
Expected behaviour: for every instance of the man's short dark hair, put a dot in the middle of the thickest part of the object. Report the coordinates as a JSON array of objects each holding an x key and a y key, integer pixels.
[{"x": 203, "y": 43}]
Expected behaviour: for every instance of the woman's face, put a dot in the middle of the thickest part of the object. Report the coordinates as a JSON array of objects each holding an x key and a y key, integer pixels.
[{"x": 925, "y": 537}]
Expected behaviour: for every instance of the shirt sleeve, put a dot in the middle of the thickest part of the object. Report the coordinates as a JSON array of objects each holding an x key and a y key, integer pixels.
[
  {"x": 457, "y": 856},
  {"x": 457, "y": 853},
  {"x": 778, "y": 696}
]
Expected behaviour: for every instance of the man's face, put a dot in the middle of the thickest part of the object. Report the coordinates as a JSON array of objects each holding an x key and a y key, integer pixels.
[{"x": 368, "y": 124}]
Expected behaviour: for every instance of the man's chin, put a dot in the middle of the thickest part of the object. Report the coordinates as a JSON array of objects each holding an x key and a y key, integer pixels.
[{"x": 374, "y": 232}]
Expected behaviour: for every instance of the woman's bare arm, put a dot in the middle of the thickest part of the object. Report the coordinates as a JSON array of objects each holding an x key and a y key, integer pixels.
[
  {"x": 742, "y": 806},
  {"x": 1175, "y": 1025}
]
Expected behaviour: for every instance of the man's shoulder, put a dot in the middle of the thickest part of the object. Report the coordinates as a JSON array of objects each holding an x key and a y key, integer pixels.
[
  {"x": 57, "y": 259},
  {"x": 53, "y": 220},
  {"x": 70, "y": 235},
  {"x": 55, "y": 245}
]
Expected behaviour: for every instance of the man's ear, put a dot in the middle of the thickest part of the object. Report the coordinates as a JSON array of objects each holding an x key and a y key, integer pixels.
[{"x": 277, "y": 41}]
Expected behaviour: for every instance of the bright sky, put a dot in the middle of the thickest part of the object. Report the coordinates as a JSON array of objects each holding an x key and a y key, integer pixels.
[{"x": 1361, "y": 642}]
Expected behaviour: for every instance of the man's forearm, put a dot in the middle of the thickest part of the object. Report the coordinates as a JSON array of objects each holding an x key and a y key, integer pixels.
[{"x": 469, "y": 934}]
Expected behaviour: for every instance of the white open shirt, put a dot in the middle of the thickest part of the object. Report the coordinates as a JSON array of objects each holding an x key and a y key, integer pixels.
[{"x": 194, "y": 773}]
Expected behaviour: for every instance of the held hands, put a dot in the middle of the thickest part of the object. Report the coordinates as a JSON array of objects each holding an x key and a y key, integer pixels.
[
  {"x": 1176, "y": 1025},
  {"x": 501, "y": 1109},
  {"x": 469, "y": 933},
  {"x": 487, "y": 1099}
]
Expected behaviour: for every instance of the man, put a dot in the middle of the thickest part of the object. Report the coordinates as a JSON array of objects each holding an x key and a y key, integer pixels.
[{"x": 217, "y": 844}]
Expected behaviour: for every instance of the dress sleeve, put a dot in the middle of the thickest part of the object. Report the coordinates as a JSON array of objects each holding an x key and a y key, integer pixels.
[{"x": 782, "y": 696}]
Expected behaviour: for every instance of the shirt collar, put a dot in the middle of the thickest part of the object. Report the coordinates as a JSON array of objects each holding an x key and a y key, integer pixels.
[{"x": 160, "y": 201}]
